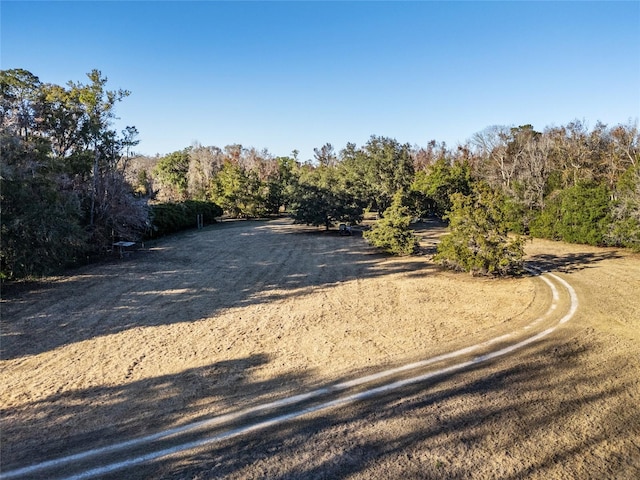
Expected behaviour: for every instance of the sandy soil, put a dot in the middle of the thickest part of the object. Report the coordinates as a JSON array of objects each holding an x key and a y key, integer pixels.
[{"x": 239, "y": 313}]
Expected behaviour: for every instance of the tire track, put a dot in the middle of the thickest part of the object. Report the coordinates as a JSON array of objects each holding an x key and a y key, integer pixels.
[{"x": 202, "y": 434}]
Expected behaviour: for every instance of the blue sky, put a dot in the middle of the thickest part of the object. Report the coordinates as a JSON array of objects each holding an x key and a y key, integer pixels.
[{"x": 296, "y": 75}]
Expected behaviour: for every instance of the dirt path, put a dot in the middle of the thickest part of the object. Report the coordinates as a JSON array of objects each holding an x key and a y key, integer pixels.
[{"x": 242, "y": 313}]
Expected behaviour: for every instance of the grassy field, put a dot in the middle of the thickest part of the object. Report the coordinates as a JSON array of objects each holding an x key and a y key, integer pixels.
[{"x": 211, "y": 321}]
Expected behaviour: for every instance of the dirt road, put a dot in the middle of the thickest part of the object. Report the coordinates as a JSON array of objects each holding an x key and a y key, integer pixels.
[{"x": 239, "y": 314}]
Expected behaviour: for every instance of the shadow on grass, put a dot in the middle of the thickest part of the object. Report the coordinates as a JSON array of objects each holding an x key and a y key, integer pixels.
[
  {"x": 548, "y": 415},
  {"x": 570, "y": 262},
  {"x": 185, "y": 278}
]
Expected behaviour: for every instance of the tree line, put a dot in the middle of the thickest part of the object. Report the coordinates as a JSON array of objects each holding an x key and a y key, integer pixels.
[
  {"x": 71, "y": 184},
  {"x": 567, "y": 183}
]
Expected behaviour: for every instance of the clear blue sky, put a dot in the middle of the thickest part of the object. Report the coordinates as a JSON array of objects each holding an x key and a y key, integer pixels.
[{"x": 296, "y": 75}]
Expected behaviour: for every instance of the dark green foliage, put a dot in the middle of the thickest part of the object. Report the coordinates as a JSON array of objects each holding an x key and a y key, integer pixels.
[
  {"x": 440, "y": 181},
  {"x": 319, "y": 198},
  {"x": 281, "y": 185},
  {"x": 63, "y": 196},
  {"x": 376, "y": 171},
  {"x": 585, "y": 214},
  {"x": 41, "y": 229},
  {"x": 392, "y": 233},
  {"x": 518, "y": 216},
  {"x": 239, "y": 192},
  {"x": 579, "y": 214},
  {"x": 317, "y": 205},
  {"x": 169, "y": 218},
  {"x": 172, "y": 171},
  {"x": 546, "y": 222},
  {"x": 625, "y": 226},
  {"x": 478, "y": 241}
]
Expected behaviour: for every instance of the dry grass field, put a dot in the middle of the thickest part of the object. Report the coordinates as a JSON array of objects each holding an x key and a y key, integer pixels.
[{"x": 240, "y": 313}]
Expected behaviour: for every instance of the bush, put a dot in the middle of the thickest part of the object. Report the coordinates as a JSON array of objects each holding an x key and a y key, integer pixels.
[
  {"x": 169, "y": 218},
  {"x": 478, "y": 242}
]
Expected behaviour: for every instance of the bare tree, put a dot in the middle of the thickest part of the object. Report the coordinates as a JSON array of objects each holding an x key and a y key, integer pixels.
[
  {"x": 204, "y": 163},
  {"x": 325, "y": 156},
  {"x": 492, "y": 144}
]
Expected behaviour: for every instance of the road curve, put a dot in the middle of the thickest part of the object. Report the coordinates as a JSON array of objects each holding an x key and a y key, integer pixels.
[{"x": 106, "y": 460}]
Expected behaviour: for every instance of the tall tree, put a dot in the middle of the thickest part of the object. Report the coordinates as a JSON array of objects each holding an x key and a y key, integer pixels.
[
  {"x": 377, "y": 171},
  {"x": 20, "y": 92},
  {"x": 237, "y": 191},
  {"x": 319, "y": 199},
  {"x": 439, "y": 181},
  {"x": 58, "y": 145},
  {"x": 325, "y": 156},
  {"x": 171, "y": 170}
]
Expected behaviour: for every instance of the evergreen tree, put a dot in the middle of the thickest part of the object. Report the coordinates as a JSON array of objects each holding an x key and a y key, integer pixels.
[
  {"x": 478, "y": 240},
  {"x": 319, "y": 199},
  {"x": 392, "y": 232}
]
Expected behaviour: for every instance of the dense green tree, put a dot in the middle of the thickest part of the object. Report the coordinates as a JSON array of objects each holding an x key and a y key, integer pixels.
[
  {"x": 625, "y": 227},
  {"x": 41, "y": 228},
  {"x": 578, "y": 214},
  {"x": 585, "y": 214},
  {"x": 377, "y": 170},
  {"x": 171, "y": 171},
  {"x": 478, "y": 241},
  {"x": 392, "y": 233},
  {"x": 20, "y": 102},
  {"x": 439, "y": 181},
  {"x": 239, "y": 192},
  {"x": 63, "y": 196},
  {"x": 319, "y": 199},
  {"x": 280, "y": 185}
]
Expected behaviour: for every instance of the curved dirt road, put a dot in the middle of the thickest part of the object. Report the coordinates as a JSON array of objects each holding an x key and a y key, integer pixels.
[{"x": 242, "y": 314}]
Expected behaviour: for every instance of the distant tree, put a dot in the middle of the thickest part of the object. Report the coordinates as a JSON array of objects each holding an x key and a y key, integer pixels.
[
  {"x": 280, "y": 184},
  {"x": 377, "y": 170},
  {"x": 585, "y": 214},
  {"x": 578, "y": 214},
  {"x": 316, "y": 205},
  {"x": 319, "y": 199},
  {"x": 492, "y": 144},
  {"x": 388, "y": 169},
  {"x": 171, "y": 172},
  {"x": 625, "y": 227},
  {"x": 478, "y": 241},
  {"x": 239, "y": 192},
  {"x": 392, "y": 233},
  {"x": 546, "y": 223},
  {"x": 20, "y": 102},
  {"x": 325, "y": 156},
  {"x": 129, "y": 140},
  {"x": 204, "y": 163},
  {"x": 439, "y": 181}
]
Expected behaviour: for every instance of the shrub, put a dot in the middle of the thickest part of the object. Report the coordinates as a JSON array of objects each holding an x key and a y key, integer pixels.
[
  {"x": 478, "y": 241},
  {"x": 168, "y": 218},
  {"x": 392, "y": 233}
]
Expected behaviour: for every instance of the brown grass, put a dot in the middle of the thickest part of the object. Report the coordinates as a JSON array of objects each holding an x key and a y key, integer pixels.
[{"x": 242, "y": 312}]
